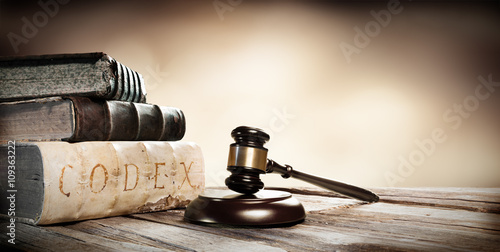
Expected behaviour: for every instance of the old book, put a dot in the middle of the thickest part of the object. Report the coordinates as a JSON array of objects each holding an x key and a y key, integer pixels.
[
  {"x": 86, "y": 74},
  {"x": 84, "y": 119},
  {"x": 53, "y": 182}
]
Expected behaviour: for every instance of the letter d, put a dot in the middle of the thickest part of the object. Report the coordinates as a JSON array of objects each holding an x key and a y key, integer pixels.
[
  {"x": 405, "y": 169},
  {"x": 29, "y": 30},
  {"x": 427, "y": 146},
  {"x": 365, "y": 40}
]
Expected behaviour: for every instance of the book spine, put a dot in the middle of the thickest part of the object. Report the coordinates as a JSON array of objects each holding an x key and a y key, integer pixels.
[
  {"x": 99, "y": 120},
  {"x": 89, "y": 120},
  {"x": 129, "y": 85},
  {"x": 99, "y": 179}
]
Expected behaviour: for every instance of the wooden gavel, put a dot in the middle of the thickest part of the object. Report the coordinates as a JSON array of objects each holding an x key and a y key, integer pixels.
[{"x": 248, "y": 159}]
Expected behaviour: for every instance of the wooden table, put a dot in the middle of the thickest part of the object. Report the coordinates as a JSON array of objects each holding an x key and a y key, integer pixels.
[{"x": 437, "y": 219}]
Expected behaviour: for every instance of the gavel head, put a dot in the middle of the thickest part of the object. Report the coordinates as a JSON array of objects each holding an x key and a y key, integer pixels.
[{"x": 247, "y": 160}]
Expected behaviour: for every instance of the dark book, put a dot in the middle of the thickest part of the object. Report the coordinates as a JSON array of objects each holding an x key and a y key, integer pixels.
[
  {"x": 84, "y": 119},
  {"x": 88, "y": 74}
]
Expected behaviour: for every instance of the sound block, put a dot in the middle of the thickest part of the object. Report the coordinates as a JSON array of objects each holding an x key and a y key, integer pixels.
[{"x": 264, "y": 208}]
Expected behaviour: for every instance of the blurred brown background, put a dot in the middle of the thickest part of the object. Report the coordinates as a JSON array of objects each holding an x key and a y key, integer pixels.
[{"x": 365, "y": 118}]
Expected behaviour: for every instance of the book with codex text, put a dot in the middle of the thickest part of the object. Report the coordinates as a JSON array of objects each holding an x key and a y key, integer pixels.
[{"x": 54, "y": 182}]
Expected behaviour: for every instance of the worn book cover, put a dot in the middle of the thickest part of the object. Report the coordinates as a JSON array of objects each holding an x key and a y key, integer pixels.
[
  {"x": 85, "y": 74},
  {"x": 53, "y": 182},
  {"x": 84, "y": 119}
]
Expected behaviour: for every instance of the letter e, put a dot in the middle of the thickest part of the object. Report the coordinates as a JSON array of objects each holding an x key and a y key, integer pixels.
[
  {"x": 438, "y": 135},
  {"x": 392, "y": 6}
]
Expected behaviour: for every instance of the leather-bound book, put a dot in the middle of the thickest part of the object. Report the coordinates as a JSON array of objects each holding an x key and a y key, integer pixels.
[
  {"x": 86, "y": 74},
  {"x": 76, "y": 119}
]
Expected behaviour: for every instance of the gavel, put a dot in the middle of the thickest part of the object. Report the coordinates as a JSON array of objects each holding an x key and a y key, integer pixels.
[
  {"x": 248, "y": 159},
  {"x": 246, "y": 205}
]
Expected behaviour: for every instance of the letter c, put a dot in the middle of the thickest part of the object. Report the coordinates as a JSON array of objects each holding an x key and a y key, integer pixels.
[{"x": 61, "y": 180}]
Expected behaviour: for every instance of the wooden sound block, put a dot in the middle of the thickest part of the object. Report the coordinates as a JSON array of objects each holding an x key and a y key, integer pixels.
[{"x": 264, "y": 208}]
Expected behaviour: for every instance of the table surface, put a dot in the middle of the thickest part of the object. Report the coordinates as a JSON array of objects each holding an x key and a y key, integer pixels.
[{"x": 405, "y": 219}]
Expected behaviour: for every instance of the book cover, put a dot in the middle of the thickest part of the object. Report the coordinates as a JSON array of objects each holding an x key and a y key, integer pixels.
[
  {"x": 53, "y": 182},
  {"x": 84, "y": 119},
  {"x": 85, "y": 74}
]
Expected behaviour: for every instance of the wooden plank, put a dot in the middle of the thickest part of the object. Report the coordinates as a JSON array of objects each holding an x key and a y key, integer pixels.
[
  {"x": 416, "y": 224},
  {"x": 97, "y": 228},
  {"x": 308, "y": 236},
  {"x": 175, "y": 236},
  {"x": 36, "y": 238},
  {"x": 377, "y": 226},
  {"x": 313, "y": 203},
  {"x": 404, "y": 220},
  {"x": 444, "y": 216},
  {"x": 472, "y": 199}
]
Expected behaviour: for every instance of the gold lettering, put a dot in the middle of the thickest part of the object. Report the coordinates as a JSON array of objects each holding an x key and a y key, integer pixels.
[
  {"x": 61, "y": 180},
  {"x": 156, "y": 175},
  {"x": 92, "y": 177},
  {"x": 126, "y": 177},
  {"x": 187, "y": 172}
]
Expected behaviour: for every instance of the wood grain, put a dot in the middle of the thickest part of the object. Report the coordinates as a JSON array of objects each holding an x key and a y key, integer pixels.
[{"x": 405, "y": 219}]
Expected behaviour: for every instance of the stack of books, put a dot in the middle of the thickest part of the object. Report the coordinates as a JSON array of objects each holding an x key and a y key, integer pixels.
[{"x": 80, "y": 142}]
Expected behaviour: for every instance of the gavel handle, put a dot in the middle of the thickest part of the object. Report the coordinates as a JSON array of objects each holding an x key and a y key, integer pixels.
[{"x": 339, "y": 187}]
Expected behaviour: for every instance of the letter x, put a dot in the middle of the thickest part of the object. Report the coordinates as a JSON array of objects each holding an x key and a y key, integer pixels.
[{"x": 187, "y": 177}]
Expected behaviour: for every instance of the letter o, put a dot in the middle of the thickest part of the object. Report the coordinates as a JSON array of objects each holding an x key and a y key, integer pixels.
[
  {"x": 369, "y": 31},
  {"x": 92, "y": 177},
  {"x": 471, "y": 103},
  {"x": 37, "y": 16}
]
